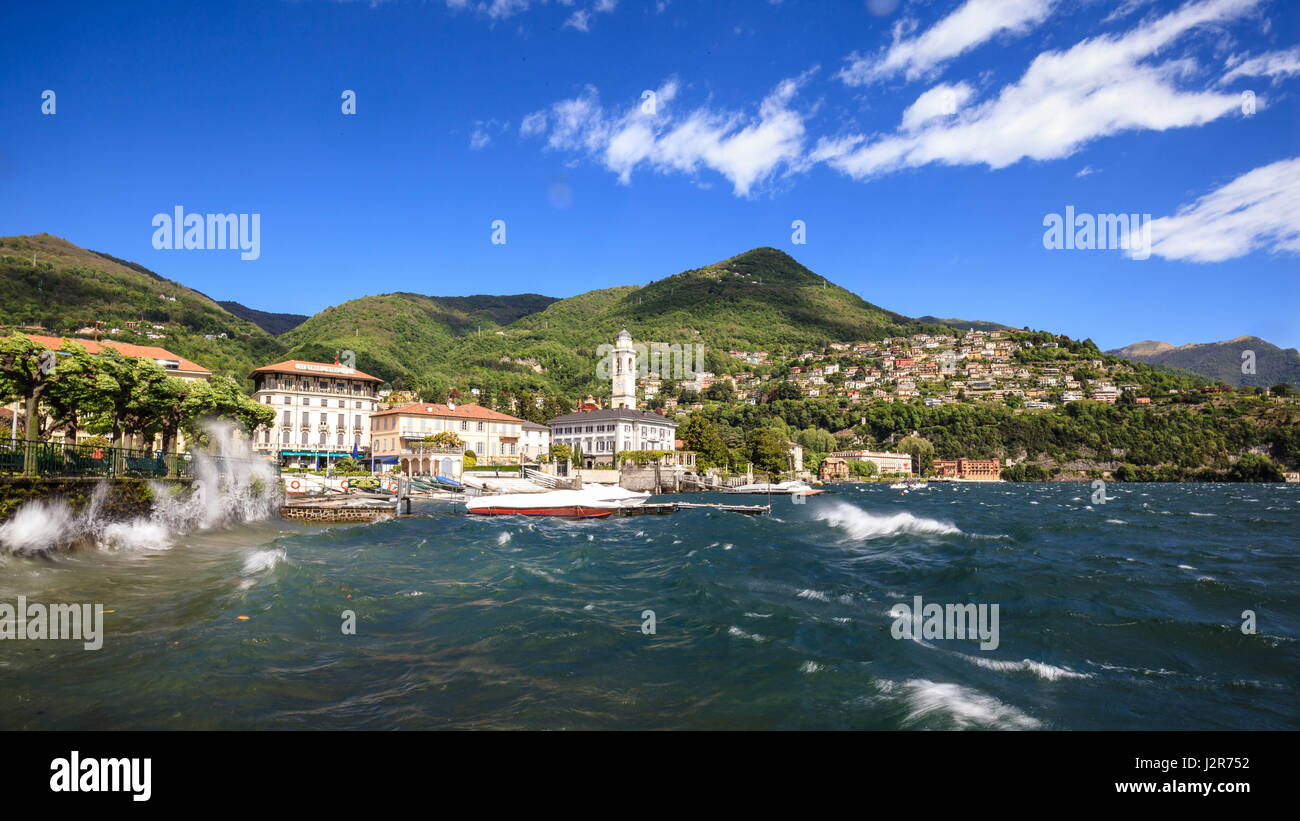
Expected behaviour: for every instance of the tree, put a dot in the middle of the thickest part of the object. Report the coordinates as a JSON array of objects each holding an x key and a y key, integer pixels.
[
  {"x": 921, "y": 451},
  {"x": 25, "y": 374},
  {"x": 699, "y": 435},
  {"x": 816, "y": 440},
  {"x": 862, "y": 468},
  {"x": 169, "y": 401},
  {"x": 768, "y": 450},
  {"x": 74, "y": 393},
  {"x": 561, "y": 453},
  {"x": 444, "y": 439},
  {"x": 720, "y": 391},
  {"x": 1282, "y": 389}
]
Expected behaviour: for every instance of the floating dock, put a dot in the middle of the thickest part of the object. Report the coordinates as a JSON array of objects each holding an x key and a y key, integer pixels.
[{"x": 659, "y": 509}]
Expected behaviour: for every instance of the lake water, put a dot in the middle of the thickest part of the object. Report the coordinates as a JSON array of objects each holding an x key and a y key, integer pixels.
[{"x": 1121, "y": 615}]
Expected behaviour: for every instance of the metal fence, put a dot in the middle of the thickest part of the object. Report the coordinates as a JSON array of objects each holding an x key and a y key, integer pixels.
[{"x": 53, "y": 459}]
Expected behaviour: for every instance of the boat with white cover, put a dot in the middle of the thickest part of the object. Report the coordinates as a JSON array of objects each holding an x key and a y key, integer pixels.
[{"x": 593, "y": 501}]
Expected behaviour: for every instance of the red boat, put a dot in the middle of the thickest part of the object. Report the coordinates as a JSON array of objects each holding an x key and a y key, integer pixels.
[{"x": 594, "y": 502}]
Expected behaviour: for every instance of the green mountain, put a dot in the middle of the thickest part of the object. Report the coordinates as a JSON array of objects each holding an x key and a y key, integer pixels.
[
  {"x": 759, "y": 300},
  {"x": 49, "y": 282},
  {"x": 273, "y": 324},
  {"x": 966, "y": 324},
  {"x": 402, "y": 334},
  {"x": 1221, "y": 361}
]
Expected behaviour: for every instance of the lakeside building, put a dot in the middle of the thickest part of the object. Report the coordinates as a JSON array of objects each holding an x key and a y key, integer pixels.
[
  {"x": 833, "y": 467},
  {"x": 176, "y": 366},
  {"x": 535, "y": 441},
  {"x": 322, "y": 410},
  {"x": 397, "y": 433},
  {"x": 884, "y": 461},
  {"x": 979, "y": 469},
  {"x": 597, "y": 434}
]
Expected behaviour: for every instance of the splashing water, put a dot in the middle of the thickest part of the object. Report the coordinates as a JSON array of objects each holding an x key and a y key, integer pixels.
[{"x": 231, "y": 488}]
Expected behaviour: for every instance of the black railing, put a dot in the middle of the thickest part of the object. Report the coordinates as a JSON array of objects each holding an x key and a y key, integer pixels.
[{"x": 53, "y": 459}]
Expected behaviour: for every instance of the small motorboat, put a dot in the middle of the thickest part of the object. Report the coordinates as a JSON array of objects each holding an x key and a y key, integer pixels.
[
  {"x": 792, "y": 487},
  {"x": 593, "y": 502}
]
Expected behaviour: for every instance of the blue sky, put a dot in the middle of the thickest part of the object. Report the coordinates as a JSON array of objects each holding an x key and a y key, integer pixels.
[{"x": 921, "y": 143}]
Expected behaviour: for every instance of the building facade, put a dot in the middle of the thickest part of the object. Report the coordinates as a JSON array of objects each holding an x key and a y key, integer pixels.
[
  {"x": 979, "y": 469},
  {"x": 176, "y": 366},
  {"x": 535, "y": 441},
  {"x": 597, "y": 435},
  {"x": 884, "y": 461},
  {"x": 493, "y": 436},
  {"x": 833, "y": 467},
  {"x": 322, "y": 410}
]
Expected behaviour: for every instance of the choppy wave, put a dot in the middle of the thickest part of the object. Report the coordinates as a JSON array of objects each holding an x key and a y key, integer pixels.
[
  {"x": 960, "y": 707},
  {"x": 861, "y": 525}
]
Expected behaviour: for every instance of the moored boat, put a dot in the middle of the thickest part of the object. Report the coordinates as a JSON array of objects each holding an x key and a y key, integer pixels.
[
  {"x": 779, "y": 488},
  {"x": 592, "y": 502}
]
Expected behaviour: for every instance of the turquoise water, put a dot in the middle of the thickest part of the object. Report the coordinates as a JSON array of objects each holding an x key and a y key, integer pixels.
[{"x": 1122, "y": 615}]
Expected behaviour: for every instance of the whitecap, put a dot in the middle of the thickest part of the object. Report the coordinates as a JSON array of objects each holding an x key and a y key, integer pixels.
[
  {"x": 859, "y": 524},
  {"x": 962, "y": 707}
]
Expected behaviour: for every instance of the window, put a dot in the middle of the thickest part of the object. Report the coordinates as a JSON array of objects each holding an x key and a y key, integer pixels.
[
  {"x": 464, "y": 425},
  {"x": 480, "y": 426}
]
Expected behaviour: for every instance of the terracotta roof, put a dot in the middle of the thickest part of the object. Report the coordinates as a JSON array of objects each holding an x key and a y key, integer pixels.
[
  {"x": 124, "y": 348},
  {"x": 304, "y": 368},
  {"x": 470, "y": 411}
]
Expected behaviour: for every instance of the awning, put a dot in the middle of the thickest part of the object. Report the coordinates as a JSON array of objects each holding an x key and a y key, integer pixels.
[
  {"x": 389, "y": 461},
  {"x": 328, "y": 455}
]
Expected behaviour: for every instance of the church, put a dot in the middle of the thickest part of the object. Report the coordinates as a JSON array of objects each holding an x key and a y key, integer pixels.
[{"x": 596, "y": 436}]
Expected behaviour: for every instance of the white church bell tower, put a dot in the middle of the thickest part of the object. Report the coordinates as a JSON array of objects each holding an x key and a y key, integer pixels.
[{"x": 624, "y": 373}]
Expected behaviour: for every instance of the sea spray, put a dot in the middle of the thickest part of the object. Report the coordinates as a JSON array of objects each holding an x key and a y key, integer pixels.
[
  {"x": 859, "y": 524},
  {"x": 231, "y": 487}
]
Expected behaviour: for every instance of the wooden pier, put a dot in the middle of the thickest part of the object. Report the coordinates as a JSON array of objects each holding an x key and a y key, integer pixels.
[{"x": 653, "y": 509}]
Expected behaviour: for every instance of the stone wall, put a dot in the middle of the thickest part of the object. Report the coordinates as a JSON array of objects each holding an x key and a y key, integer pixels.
[
  {"x": 305, "y": 513},
  {"x": 126, "y": 498}
]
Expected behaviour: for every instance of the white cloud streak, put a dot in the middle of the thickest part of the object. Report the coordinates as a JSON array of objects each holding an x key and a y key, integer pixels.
[
  {"x": 1260, "y": 210},
  {"x": 975, "y": 22},
  {"x": 1100, "y": 87},
  {"x": 747, "y": 150}
]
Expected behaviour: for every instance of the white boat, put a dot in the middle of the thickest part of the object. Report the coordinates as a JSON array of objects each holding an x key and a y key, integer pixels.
[
  {"x": 778, "y": 488},
  {"x": 593, "y": 501}
]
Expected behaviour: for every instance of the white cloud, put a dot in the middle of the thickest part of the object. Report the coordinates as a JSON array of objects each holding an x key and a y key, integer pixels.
[
  {"x": 479, "y": 139},
  {"x": 1274, "y": 64},
  {"x": 1086, "y": 171},
  {"x": 747, "y": 150},
  {"x": 1258, "y": 210},
  {"x": 579, "y": 20},
  {"x": 1101, "y": 86},
  {"x": 974, "y": 23}
]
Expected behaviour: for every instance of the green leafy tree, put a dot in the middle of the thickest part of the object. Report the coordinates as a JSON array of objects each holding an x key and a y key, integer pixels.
[
  {"x": 862, "y": 468},
  {"x": 699, "y": 435},
  {"x": 74, "y": 394},
  {"x": 921, "y": 451},
  {"x": 768, "y": 450},
  {"x": 25, "y": 374}
]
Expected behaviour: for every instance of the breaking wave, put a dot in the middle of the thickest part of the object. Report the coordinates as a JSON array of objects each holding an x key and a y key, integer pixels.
[
  {"x": 241, "y": 489},
  {"x": 861, "y": 525}
]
